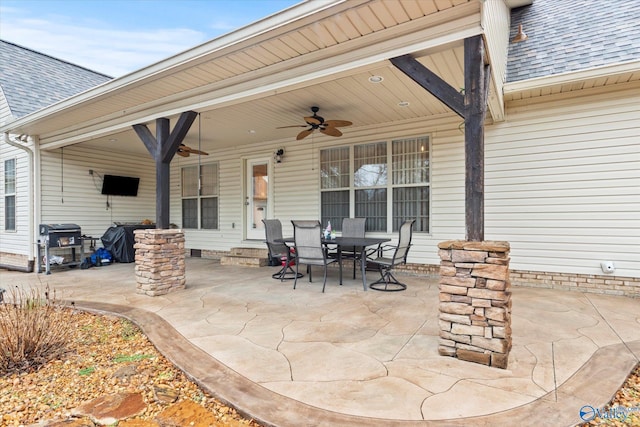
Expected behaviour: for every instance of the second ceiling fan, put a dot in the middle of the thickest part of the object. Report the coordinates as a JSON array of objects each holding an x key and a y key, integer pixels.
[
  {"x": 186, "y": 151},
  {"x": 328, "y": 127}
]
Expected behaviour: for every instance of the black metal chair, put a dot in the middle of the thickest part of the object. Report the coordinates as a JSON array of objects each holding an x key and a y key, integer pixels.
[
  {"x": 388, "y": 281},
  {"x": 351, "y": 227},
  {"x": 309, "y": 249},
  {"x": 278, "y": 250}
]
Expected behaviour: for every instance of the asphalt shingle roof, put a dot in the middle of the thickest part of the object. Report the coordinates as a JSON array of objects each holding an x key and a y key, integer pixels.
[
  {"x": 573, "y": 35},
  {"x": 31, "y": 80}
]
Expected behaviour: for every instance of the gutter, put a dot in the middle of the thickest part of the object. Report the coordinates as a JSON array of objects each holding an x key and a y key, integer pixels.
[{"x": 34, "y": 161}]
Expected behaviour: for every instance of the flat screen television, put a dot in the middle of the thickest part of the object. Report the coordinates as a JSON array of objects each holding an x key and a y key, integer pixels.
[{"x": 114, "y": 185}]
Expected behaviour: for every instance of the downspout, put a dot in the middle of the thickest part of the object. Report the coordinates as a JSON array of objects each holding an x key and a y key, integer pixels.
[{"x": 34, "y": 161}]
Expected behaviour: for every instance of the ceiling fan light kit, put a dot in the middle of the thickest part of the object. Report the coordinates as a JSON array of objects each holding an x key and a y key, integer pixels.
[{"x": 316, "y": 122}]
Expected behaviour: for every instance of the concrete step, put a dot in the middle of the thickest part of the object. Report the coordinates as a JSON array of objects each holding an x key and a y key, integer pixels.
[
  {"x": 250, "y": 252},
  {"x": 246, "y": 257}
]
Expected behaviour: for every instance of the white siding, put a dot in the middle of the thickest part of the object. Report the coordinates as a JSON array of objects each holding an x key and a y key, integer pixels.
[
  {"x": 71, "y": 195},
  {"x": 563, "y": 183},
  {"x": 296, "y": 185},
  {"x": 16, "y": 242}
]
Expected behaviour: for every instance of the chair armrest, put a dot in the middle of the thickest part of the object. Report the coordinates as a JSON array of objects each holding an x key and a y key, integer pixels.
[{"x": 379, "y": 250}]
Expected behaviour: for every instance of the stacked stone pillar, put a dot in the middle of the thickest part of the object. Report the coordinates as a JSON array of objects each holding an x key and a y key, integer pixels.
[
  {"x": 475, "y": 301},
  {"x": 160, "y": 266}
]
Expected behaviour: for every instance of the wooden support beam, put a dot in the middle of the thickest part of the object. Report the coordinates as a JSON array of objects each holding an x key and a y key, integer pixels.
[
  {"x": 431, "y": 82},
  {"x": 163, "y": 148},
  {"x": 472, "y": 107},
  {"x": 476, "y": 83}
]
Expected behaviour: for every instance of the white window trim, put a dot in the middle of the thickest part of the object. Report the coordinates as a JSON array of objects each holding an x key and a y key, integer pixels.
[
  {"x": 199, "y": 197},
  {"x": 389, "y": 185},
  {"x": 14, "y": 194}
]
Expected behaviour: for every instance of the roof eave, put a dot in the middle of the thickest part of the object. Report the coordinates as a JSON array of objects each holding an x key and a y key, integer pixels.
[{"x": 571, "y": 77}]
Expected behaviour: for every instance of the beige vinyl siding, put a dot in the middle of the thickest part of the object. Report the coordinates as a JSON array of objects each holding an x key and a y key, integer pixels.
[
  {"x": 295, "y": 184},
  {"x": 15, "y": 241},
  {"x": 563, "y": 183},
  {"x": 78, "y": 200}
]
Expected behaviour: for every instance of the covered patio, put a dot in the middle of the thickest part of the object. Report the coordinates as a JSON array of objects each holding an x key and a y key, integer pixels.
[{"x": 350, "y": 357}]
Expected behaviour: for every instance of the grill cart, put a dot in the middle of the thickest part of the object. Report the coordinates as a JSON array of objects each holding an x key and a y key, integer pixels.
[{"x": 60, "y": 238}]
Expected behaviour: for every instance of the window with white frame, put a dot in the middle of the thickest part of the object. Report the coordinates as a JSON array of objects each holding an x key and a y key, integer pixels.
[
  {"x": 200, "y": 196},
  {"x": 10, "y": 194},
  {"x": 386, "y": 182}
]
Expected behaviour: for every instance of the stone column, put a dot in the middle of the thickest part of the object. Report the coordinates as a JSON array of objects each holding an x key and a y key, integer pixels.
[
  {"x": 160, "y": 267},
  {"x": 475, "y": 301}
]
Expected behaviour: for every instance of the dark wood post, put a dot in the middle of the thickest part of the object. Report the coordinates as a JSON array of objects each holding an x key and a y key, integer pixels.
[
  {"x": 162, "y": 175},
  {"x": 163, "y": 148},
  {"x": 476, "y": 83}
]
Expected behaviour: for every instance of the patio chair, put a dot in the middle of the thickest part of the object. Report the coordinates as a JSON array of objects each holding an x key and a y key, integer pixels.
[
  {"x": 351, "y": 227},
  {"x": 278, "y": 250},
  {"x": 387, "y": 281},
  {"x": 309, "y": 249}
]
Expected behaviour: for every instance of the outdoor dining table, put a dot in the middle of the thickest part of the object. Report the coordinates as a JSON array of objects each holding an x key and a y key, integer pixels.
[{"x": 356, "y": 242}]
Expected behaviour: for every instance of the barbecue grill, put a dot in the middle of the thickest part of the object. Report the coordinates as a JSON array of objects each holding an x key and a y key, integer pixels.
[{"x": 59, "y": 236}]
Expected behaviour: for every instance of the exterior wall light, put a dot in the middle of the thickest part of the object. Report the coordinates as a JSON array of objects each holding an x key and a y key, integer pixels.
[{"x": 278, "y": 155}]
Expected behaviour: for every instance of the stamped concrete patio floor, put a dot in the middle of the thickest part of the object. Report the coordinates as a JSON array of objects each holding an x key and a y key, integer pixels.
[{"x": 352, "y": 358}]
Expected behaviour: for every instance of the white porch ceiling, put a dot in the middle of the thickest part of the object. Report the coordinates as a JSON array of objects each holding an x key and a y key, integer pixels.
[{"x": 269, "y": 75}]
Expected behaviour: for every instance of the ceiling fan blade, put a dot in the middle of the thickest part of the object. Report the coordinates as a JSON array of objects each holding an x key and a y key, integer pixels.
[
  {"x": 314, "y": 120},
  {"x": 293, "y": 126},
  {"x": 331, "y": 131},
  {"x": 198, "y": 152},
  {"x": 183, "y": 153},
  {"x": 304, "y": 134},
  {"x": 337, "y": 123}
]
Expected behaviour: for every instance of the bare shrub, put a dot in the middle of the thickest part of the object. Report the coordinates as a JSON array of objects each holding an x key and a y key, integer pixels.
[{"x": 32, "y": 329}]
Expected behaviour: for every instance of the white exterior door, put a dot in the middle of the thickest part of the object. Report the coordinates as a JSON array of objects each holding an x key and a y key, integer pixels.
[{"x": 257, "y": 197}]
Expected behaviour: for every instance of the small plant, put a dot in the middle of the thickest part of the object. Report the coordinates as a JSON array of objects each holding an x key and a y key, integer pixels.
[
  {"x": 129, "y": 330},
  {"x": 165, "y": 375},
  {"x": 86, "y": 371},
  {"x": 132, "y": 358},
  {"x": 32, "y": 331}
]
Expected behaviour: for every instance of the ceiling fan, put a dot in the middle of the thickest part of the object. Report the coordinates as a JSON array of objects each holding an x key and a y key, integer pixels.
[
  {"x": 328, "y": 127},
  {"x": 186, "y": 151}
]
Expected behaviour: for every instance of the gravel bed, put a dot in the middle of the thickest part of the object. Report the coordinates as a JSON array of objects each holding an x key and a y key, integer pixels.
[{"x": 102, "y": 354}]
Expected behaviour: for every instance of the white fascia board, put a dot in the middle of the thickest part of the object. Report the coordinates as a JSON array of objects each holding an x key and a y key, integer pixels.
[{"x": 571, "y": 77}]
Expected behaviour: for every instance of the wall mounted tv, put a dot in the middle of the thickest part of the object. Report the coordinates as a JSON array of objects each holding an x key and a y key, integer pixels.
[{"x": 114, "y": 185}]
